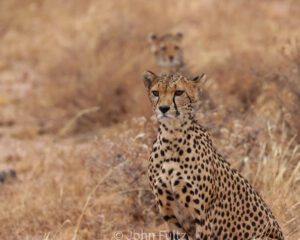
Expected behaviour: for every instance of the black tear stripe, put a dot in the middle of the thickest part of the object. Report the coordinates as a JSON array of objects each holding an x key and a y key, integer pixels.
[
  {"x": 175, "y": 106},
  {"x": 158, "y": 98}
]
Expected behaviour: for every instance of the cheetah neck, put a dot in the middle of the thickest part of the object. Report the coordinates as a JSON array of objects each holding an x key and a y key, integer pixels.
[
  {"x": 176, "y": 69},
  {"x": 176, "y": 128}
]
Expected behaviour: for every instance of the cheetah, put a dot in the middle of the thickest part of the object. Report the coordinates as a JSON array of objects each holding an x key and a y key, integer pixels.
[
  {"x": 168, "y": 54},
  {"x": 191, "y": 181},
  {"x": 167, "y": 51}
]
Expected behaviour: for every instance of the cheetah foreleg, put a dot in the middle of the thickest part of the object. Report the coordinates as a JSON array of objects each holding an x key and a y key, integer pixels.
[
  {"x": 196, "y": 203},
  {"x": 166, "y": 203}
]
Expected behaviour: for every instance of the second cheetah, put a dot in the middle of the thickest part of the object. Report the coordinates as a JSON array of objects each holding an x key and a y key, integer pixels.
[
  {"x": 191, "y": 180},
  {"x": 168, "y": 54},
  {"x": 167, "y": 51}
]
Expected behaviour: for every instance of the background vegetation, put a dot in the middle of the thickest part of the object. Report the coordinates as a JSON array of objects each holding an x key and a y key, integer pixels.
[{"x": 75, "y": 121}]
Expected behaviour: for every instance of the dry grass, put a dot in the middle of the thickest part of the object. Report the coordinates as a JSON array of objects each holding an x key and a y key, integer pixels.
[{"x": 72, "y": 106}]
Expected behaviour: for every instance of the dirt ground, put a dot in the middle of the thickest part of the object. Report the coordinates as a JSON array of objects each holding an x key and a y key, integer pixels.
[{"x": 76, "y": 125}]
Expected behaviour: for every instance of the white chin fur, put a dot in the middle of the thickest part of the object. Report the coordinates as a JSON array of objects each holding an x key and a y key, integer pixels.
[
  {"x": 161, "y": 116},
  {"x": 169, "y": 64}
]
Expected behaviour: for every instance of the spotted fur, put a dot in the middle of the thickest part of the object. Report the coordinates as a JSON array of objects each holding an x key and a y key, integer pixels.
[{"x": 198, "y": 193}]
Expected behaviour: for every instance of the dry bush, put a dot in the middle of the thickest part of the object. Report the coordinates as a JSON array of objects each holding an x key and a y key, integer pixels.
[{"x": 80, "y": 57}]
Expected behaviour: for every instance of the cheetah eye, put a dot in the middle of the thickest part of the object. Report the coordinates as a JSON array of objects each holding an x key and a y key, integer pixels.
[
  {"x": 164, "y": 48},
  {"x": 176, "y": 47},
  {"x": 155, "y": 93},
  {"x": 178, "y": 92}
]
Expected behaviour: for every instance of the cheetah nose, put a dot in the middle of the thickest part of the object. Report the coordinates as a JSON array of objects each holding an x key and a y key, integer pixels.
[
  {"x": 164, "y": 109},
  {"x": 171, "y": 58}
]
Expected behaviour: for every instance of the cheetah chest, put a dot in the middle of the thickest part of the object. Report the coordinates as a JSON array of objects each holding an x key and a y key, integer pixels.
[
  {"x": 167, "y": 170},
  {"x": 168, "y": 196}
]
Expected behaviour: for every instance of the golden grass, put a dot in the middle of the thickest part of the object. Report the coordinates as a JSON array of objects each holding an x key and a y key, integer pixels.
[{"x": 75, "y": 120}]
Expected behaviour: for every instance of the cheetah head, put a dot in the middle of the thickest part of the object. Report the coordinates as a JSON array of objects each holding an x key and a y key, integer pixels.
[
  {"x": 166, "y": 49},
  {"x": 172, "y": 96}
]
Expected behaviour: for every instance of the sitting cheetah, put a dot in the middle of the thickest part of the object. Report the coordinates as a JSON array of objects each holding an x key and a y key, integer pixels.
[
  {"x": 167, "y": 51},
  {"x": 190, "y": 179}
]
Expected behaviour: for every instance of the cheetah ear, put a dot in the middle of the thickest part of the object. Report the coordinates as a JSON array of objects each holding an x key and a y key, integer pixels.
[
  {"x": 149, "y": 78},
  {"x": 198, "y": 79},
  {"x": 179, "y": 36},
  {"x": 152, "y": 37}
]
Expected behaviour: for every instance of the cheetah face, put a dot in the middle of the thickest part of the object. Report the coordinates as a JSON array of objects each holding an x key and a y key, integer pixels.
[
  {"x": 172, "y": 96},
  {"x": 167, "y": 49}
]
